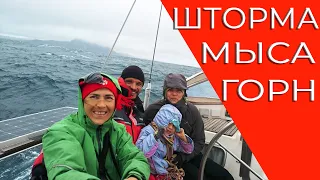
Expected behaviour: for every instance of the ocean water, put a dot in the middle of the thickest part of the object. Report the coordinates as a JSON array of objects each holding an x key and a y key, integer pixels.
[{"x": 40, "y": 75}]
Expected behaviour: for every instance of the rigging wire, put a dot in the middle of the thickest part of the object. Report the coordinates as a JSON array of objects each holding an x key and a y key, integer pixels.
[
  {"x": 114, "y": 43},
  {"x": 155, "y": 44}
]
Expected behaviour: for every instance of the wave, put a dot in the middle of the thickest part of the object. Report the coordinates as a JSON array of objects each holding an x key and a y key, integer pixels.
[
  {"x": 84, "y": 56},
  {"x": 14, "y": 48},
  {"x": 17, "y": 65},
  {"x": 48, "y": 54},
  {"x": 29, "y": 83},
  {"x": 51, "y": 46},
  {"x": 18, "y": 167},
  {"x": 66, "y": 56},
  {"x": 47, "y": 45},
  {"x": 79, "y": 62},
  {"x": 2, "y": 70}
]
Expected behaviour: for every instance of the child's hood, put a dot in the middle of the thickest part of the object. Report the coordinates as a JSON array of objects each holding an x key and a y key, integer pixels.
[{"x": 168, "y": 114}]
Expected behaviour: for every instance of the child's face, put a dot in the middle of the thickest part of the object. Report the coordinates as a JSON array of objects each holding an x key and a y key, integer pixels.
[{"x": 170, "y": 129}]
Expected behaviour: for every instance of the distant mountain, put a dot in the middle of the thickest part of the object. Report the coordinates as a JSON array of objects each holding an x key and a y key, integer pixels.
[
  {"x": 75, "y": 44},
  {"x": 87, "y": 46},
  {"x": 78, "y": 44}
]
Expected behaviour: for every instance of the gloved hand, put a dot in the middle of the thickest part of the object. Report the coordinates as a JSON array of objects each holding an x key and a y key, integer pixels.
[{"x": 178, "y": 160}]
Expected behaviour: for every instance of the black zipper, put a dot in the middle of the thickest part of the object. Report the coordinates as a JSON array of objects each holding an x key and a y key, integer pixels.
[
  {"x": 99, "y": 154},
  {"x": 132, "y": 129},
  {"x": 98, "y": 138}
]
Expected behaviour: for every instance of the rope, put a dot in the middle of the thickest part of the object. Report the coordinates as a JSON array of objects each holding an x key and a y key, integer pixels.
[
  {"x": 155, "y": 44},
  {"x": 174, "y": 173},
  {"x": 119, "y": 33}
]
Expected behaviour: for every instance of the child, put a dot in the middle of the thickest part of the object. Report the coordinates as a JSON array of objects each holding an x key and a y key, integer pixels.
[{"x": 160, "y": 139}]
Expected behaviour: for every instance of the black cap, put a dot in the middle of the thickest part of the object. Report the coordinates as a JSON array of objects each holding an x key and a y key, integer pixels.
[{"x": 133, "y": 72}]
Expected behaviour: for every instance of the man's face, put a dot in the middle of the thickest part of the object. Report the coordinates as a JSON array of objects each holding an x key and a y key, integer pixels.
[
  {"x": 135, "y": 85},
  {"x": 174, "y": 95}
]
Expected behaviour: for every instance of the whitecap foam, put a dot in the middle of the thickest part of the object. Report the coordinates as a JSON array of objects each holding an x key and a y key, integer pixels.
[{"x": 84, "y": 56}]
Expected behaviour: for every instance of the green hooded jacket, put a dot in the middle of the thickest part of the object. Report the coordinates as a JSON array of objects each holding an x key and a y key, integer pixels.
[{"x": 70, "y": 147}]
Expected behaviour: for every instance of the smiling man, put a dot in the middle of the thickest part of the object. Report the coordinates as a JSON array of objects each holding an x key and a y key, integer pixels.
[
  {"x": 131, "y": 112},
  {"x": 134, "y": 78}
]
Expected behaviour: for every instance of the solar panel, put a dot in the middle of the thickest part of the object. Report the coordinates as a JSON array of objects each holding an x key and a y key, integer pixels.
[{"x": 25, "y": 129}]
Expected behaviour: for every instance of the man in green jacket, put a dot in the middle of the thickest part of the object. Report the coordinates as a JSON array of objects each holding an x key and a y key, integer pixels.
[{"x": 90, "y": 144}]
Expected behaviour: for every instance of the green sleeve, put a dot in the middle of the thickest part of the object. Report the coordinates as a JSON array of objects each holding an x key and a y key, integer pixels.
[
  {"x": 131, "y": 160},
  {"x": 63, "y": 156}
]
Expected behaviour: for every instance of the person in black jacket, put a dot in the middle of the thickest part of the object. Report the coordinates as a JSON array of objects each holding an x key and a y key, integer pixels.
[
  {"x": 131, "y": 114},
  {"x": 174, "y": 92}
]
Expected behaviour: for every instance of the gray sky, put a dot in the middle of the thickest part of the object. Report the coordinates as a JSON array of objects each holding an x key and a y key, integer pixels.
[{"x": 98, "y": 21}]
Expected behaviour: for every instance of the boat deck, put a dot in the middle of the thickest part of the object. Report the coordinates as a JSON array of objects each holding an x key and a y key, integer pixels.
[
  {"x": 210, "y": 111},
  {"x": 204, "y": 101},
  {"x": 214, "y": 125}
]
